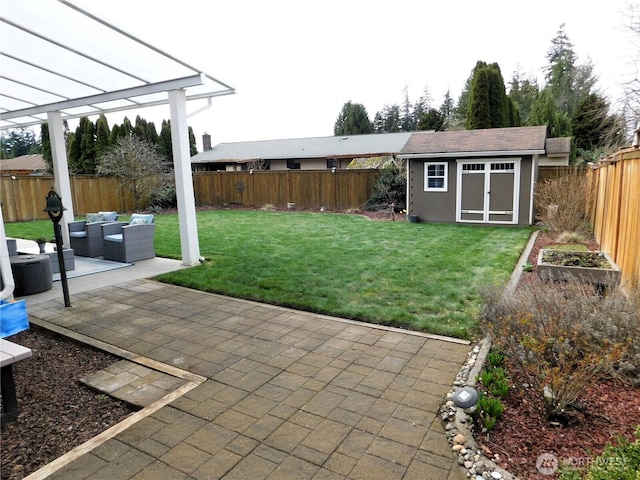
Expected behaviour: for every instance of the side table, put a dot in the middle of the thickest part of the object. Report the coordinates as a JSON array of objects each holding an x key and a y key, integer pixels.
[{"x": 31, "y": 274}]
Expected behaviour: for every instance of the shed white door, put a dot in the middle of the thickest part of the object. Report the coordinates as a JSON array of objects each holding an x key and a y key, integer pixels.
[{"x": 487, "y": 191}]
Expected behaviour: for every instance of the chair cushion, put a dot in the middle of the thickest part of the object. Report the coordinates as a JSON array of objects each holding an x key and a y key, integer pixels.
[
  {"x": 116, "y": 237},
  {"x": 82, "y": 234},
  {"x": 94, "y": 217},
  {"x": 109, "y": 216},
  {"x": 138, "y": 218}
]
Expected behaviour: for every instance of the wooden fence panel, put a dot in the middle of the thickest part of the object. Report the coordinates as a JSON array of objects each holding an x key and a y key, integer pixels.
[
  {"x": 23, "y": 198},
  {"x": 615, "y": 212},
  {"x": 550, "y": 172}
]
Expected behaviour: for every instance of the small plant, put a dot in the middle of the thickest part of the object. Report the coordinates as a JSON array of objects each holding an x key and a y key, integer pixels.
[
  {"x": 527, "y": 267},
  {"x": 499, "y": 388},
  {"x": 489, "y": 410},
  {"x": 495, "y": 358},
  {"x": 486, "y": 377},
  {"x": 40, "y": 240}
]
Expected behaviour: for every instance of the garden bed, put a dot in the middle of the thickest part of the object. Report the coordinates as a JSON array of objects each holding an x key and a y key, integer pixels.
[{"x": 606, "y": 409}]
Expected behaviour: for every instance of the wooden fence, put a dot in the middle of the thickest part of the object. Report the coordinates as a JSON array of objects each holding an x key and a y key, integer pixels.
[
  {"x": 614, "y": 211},
  {"x": 23, "y": 197},
  {"x": 307, "y": 189},
  {"x": 551, "y": 172}
]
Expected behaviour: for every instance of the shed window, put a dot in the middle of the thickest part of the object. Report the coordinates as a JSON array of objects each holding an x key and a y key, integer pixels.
[
  {"x": 435, "y": 177},
  {"x": 293, "y": 165}
]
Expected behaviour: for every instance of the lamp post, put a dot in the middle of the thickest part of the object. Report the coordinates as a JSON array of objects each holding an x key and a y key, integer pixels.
[{"x": 55, "y": 208}]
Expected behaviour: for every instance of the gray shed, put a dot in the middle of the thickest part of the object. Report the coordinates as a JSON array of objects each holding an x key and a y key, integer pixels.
[{"x": 474, "y": 176}]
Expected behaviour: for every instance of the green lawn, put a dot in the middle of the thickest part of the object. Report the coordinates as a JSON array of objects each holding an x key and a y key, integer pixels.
[{"x": 418, "y": 276}]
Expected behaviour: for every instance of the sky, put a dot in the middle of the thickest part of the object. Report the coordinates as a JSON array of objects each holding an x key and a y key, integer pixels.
[{"x": 294, "y": 64}]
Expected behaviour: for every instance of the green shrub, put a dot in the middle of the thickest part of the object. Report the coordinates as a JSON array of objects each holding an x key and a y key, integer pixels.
[{"x": 389, "y": 190}]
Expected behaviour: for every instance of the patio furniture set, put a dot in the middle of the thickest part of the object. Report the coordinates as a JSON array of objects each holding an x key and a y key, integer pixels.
[{"x": 100, "y": 235}]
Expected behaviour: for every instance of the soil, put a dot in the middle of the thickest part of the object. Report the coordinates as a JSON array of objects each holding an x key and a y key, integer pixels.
[
  {"x": 575, "y": 259},
  {"x": 608, "y": 409},
  {"x": 57, "y": 413}
]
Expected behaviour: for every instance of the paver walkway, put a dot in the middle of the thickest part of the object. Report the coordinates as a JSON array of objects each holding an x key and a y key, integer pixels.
[{"x": 283, "y": 394}]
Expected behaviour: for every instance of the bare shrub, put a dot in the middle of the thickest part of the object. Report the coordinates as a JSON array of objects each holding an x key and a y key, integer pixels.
[
  {"x": 561, "y": 202},
  {"x": 268, "y": 208},
  {"x": 563, "y": 336},
  {"x": 571, "y": 237}
]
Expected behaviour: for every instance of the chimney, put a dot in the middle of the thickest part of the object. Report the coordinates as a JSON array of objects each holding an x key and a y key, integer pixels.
[{"x": 206, "y": 142}]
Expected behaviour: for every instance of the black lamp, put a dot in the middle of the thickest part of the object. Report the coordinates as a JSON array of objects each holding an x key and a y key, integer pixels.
[{"x": 55, "y": 208}]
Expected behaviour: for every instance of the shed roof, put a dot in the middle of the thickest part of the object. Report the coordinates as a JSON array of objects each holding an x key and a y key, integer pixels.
[
  {"x": 513, "y": 140},
  {"x": 314, "y": 147}
]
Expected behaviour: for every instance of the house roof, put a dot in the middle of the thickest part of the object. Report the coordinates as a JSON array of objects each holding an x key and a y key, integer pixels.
[
  {"x": 24, "y": 162},
  {"x": 513, "y": 140},
  {"x": 314, "y": 147},
  {"x": 558, "y": 146}
]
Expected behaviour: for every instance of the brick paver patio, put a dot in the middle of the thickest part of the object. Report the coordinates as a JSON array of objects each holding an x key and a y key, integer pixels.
[{"x": 284, "y": 394}]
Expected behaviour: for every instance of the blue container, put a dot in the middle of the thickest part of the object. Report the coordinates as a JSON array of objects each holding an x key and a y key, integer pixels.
[{"x": 13, "y": 317}]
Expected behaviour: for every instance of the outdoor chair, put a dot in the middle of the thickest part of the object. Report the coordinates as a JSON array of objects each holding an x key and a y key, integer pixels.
[
  {"x": 85, "y": 236},
  {"x": 129, "y": 242}
]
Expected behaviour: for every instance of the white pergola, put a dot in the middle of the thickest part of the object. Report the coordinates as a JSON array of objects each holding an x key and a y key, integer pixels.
[{"x": 59, "y": 62}]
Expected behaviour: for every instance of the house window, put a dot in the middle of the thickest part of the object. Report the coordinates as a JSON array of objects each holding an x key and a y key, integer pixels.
[
  {"x": 435, "y": 177},
  {"x": 293, "y": 165},
  {"x": 332, "y": 163}
]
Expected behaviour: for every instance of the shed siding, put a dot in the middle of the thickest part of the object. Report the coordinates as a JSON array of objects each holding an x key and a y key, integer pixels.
[{"x": 441, "y": 206}]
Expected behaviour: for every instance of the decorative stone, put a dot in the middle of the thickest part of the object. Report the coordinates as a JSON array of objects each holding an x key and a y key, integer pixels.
[
  {"x": 496, "y": 475},
  {"x": 449, "y": 426},
  {"x": 459, "y": 439},
  {"x": 457, "y": 448},
  {"x": 468, "y": 464}
]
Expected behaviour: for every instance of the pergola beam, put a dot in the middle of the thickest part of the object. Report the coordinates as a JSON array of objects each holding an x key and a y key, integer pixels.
[{"x": 123, "y": 94}]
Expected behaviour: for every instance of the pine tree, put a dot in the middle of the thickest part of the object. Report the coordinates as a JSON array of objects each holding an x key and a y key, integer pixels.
[
  {"x": 103, "y": 140},
  {"x": 87, "y": 146},
  {"x": 353, "y": 120}
]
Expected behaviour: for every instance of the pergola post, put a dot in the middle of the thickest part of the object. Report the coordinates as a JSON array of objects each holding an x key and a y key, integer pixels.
[
  {"x": 184, "y": 183},
  {"x": 60, "y": 171}
]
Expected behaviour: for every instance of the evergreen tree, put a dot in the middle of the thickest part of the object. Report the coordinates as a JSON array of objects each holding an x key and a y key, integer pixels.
[
  {"x": 193, "y": 149},
  {"x": 478, "y": 111},
  {"x": 164, "y": 145},
  {"x": 407, "y": 120},
  {"x": 545, "y": 112},
  {"x": 461, "y": 109},
  {"x": 18, "y": 142},
  {"x": 103, "y": 140},
  {"x": 353, "y": 120},
  {"x": 447, "y": 108},
  {"x": 592, "y": 126},
  {"x": 489, "y": 106},
  {"x": 433, "y": 119},
  {"x": 75, "y": 150},
  {"x": 47, "y": 155},
  {"x": 523, "y": 92},
  {"x": 87, "y": 146},
  {"x": 561, "y": 70}
]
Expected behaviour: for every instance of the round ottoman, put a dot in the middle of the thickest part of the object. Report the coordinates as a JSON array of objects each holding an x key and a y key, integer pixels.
[{"x": 31, "y": 274}]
